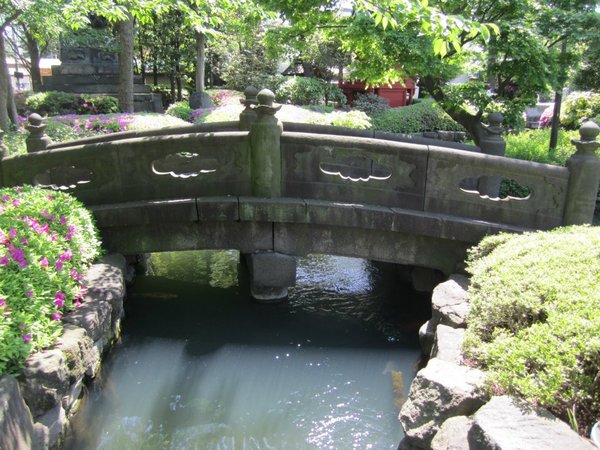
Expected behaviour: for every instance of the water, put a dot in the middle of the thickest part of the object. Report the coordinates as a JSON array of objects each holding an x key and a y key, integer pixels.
[{"x": 201, "y": 366}]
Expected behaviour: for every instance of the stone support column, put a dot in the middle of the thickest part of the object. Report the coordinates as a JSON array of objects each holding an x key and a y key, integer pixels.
[
  {"x": 248, "y": 115},
  {"x": 491, "y": 143},
  {"x": 265, "y": 142},
  {"x": 271, "y": 274},
  {"x": 584, "y": 177},
  {"x": 37, "y": 139}
]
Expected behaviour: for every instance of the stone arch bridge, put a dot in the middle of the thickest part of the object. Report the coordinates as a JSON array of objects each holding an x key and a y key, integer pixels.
[{"x": 275, "y": 192}]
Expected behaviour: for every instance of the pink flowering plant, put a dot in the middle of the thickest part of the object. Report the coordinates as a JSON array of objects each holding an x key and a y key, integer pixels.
[{"x": 47, "y": 242}]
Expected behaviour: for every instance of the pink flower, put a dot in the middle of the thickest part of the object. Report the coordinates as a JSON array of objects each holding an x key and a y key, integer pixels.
[
  {"x": 56, "y": 316},
  {"x": 6, "y": 198},
  {"x": 50, "y": 197},
  {"x": 59, "y": 265},
  {"x": 59, "y": 299},
  {"x": 2, "y": 302},
  {"x": 30, "y": 293},
  {"x": 12, "y": 233},
  {"x": 44, "y": 262},
  {"x": 66, "y": 255},
  {"x": 63, "y": 220},
  {"x": 3, "y": 238},
  {"x": 26, "y": 338},
  {"x": 4, "y": 261},
  {"x": 16, "y": 202},
  {"x": 45, "y": 213},
  {"x": 24, "y": 241},
  {"x": 74, "y": 274}
]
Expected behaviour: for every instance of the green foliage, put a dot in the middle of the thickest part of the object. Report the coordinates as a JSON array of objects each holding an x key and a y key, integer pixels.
[
  {"x": 181, "y": 110},
  {"x": 55, "y": 103},
  {"x": 534, "y": 323},
  {"x": 579, "y": 106},
  {"x": 47, "y": 242},
  {"x": 333, "y": 93},
  {"x": 301, "y": 91},
  {"x": 532, "y": 145},
  {"x": 425, "y": 116},
  {"x": 371, "y": 104},
  {"x": 475, "y": 98},
  {"x": 347, "y": 119}
]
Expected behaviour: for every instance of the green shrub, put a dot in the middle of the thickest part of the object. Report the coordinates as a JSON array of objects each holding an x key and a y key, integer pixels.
[
  {"x": 579, "y": 106},
  {"x": 333, "y": 93},
  {"x": 181, "y": 110},
  {"x": 532, "y": 145},
  {"x": 54, "y": 103},
  {"x": 301, "y": 91},
  {"x": 425, "y": 116},
  {"x": 47, "y": 242},
  {"x": 534, "y": 323},
  {"x": 371, "y": 104}
]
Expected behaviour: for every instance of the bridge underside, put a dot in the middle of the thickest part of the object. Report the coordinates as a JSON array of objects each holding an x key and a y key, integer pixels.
[{"x": 293, "y": 227}]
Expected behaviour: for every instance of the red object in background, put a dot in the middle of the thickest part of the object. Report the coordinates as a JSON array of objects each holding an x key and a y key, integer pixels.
[{"x": 397, "y": 94}]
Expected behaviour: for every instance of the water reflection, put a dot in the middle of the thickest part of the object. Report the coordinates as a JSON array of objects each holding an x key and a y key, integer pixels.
[{"x": 202, "y": 367}]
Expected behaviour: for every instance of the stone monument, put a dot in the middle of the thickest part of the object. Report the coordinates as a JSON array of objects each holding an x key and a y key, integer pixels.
[{"x": 90, "y": 69}]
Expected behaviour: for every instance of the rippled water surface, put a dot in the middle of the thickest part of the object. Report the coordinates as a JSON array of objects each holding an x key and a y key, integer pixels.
[{"x": 201, "y": 366}]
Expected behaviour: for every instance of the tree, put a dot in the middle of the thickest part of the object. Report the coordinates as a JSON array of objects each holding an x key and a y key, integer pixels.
[{"x": 393, "y": 39}]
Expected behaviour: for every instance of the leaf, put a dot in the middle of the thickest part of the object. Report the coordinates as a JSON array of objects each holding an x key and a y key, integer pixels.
[
  {"x": 437, "y": 46},
  {"x": 485, "y": 33},
  {"x": 384, "y": 22},
  {"x": 495, "y": 28}
]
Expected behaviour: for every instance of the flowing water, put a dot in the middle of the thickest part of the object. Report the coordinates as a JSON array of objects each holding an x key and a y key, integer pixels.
[{"x": 201, "y": 366}]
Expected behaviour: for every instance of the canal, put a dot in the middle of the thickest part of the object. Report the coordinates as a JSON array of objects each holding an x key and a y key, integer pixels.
[{"x": 201, "y": 366}]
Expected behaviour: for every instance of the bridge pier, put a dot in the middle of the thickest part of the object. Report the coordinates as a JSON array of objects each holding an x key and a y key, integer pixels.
[{"x": 271, "y": 274}]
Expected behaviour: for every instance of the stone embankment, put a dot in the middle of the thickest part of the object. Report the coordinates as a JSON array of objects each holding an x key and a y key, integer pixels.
[
  {"x": 35, "y": 410},
  {"x": 447, "y": 407}
]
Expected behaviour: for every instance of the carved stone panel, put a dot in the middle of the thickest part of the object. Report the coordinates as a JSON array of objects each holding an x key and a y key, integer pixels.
[
  {"x": 63, "y": 178},
  {"x": 184, "y": 165}
]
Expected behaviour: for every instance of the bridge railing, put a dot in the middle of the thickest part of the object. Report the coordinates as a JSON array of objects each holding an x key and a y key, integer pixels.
[{"x": 265, "y": 161}]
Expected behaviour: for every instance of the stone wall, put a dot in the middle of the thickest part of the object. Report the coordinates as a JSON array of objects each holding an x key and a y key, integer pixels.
[
  {"x": 34, "y": 411},
  {"x": 448, "y": 408}
]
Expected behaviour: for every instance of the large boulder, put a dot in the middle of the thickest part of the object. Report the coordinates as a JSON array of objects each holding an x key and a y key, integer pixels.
[
  {"x": 505, "y": 423},
  {"x": 45, "y": 380},
  {"x": 439, "y": 391},
  {"x": 200, "y": 100},
  {"x": 16, "y": 425},
  {"x": 450, "y": 302}
]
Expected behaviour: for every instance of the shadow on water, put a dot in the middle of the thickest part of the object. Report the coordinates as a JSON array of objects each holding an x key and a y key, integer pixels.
[{"x": 201, "y": 366}]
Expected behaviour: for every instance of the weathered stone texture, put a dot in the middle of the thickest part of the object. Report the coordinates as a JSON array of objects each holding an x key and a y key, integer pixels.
[
  {"x": 46, "y": 380},
  {"x": 426, "y": 337},
  {"x": 439, "y": 391},
  {"x": 449, "y": 302},
  {"x": 16, "y": 425},
  {"x": 453, "y": 434},
  {"x": 508, "y": 424},
  {"x": 447, "y": 344}
]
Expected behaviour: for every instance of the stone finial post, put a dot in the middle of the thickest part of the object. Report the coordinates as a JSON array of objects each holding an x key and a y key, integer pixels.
[
  {"x": 265, "y": 142},
  {"x": 584, "y": 177},
  {"x": 37, "y": 139},
  {"x": 491, "y": 143},
  {"x": 248, "y": 115}
]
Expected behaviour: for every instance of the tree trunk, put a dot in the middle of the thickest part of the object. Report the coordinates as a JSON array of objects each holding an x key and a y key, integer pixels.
[
  {"x": 125, "y": 30},
  {"x": 142, "y": 64},
  {"x": 173, "y": 91},
  {"x": 34, "y": 56},
  {"x": 557, "y": 103},
  {"x": 7, "y": 101},
  {"x": 178, "y": 84},
  {"x": 200, "y": 60},
  {"x": 471, "y": 123},
  {"x": 155, "y": 72}
]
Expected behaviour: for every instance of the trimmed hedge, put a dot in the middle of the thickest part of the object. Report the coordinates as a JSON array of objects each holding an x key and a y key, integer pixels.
[
  {"x": 534, "y": 324},
  {"x": 54, "y": 103},
  {"x": 47, "y": 242},
  {"x": 425, "y": 116}
]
